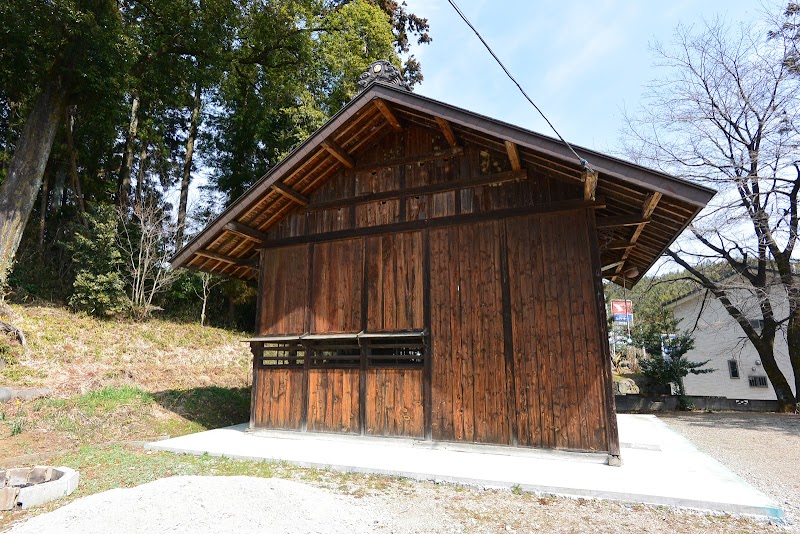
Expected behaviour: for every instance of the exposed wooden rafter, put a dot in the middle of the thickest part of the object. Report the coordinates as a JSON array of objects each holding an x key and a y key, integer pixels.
[
  {"x": 290, "y": 193},
  {"x": 619, "y": 244},
  {"x": 447, "y": 130},
  {"x": 338, "y": 152},
  {"x": 648, "y": 207},
  {"x": 612, "y": 265},
  {"x": 513, "y": 156},
  {"x": 246, "y": 232},
  {"x": 621, "y": 220},
  {"x": 251, "y": 263},
  {"x": 388, "y": 114}
]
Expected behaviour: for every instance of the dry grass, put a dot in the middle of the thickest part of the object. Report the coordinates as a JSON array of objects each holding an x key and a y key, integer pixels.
[
  {"x": 75, "y": 353},
  {"x": 114, "y": 380}
]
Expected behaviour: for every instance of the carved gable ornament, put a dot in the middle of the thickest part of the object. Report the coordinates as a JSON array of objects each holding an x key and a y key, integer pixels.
[{"x": 384, "y": 72}]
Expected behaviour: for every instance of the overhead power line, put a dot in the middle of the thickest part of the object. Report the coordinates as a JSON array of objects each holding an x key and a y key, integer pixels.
[{"x": 489, "y": 48}]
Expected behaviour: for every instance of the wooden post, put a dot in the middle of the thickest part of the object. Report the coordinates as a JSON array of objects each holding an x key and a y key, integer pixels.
[
  {"x": 612, "y": 432},
  {"x": 308, "y": 320},
  {"x": 259, "y": 326}
]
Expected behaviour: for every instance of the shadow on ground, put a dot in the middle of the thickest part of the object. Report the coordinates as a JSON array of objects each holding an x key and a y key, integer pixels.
[
  {"x": 210, "y": 406},
  {"x": 775, "y": 422}
]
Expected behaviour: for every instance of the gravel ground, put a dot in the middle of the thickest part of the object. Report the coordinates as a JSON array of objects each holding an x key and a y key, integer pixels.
[
  {"x": 340, "y": 503},
  {"x": 762, "y": 448}
]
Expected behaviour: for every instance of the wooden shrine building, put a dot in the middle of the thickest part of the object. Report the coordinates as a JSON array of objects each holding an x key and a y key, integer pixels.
[{"x": 427, "y": 272}]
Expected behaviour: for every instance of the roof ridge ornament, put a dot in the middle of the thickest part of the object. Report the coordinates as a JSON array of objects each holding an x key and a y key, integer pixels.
[{"x": 384, "y": 72}]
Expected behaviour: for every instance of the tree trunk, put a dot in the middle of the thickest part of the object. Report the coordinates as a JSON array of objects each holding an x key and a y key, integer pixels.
[
  {"x": 57, "y": 190},
  {"x": 18, "y": 192},
  {"x": 793, "y": 336},
  {"x": 205, "y": 303},
  {"x": 124, "y": 181},
  {"x": 73, "y": 163},
  {"x": 42, "y": 214},
  {"x": 783, "y": 392},
  {"x": 140, "y": 176},
  {"x": 187, "y": 168}
]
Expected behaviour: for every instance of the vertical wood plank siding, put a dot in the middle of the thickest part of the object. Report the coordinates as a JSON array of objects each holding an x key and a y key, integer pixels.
[
  {"x": 513, "y": 307},
  {"x": 333, "y": 399}
]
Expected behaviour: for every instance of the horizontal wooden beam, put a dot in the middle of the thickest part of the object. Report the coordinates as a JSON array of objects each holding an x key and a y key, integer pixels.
[
  {"x": 489, "y": 179},
  {"x": 339, "y": 153},
  {"x": 513, "y": 156},
  {"x": 387, "y": 113},
  {"x": 447, "y": 130},
  {"x": 622, "y": 220},
  {"x": 239, "y": 262},
  {"x": 411, "y": 160},
  {"x": 245, "y": 231},
  {"x": 290, "y": 193},
  {"x": 408, "y": 226}
]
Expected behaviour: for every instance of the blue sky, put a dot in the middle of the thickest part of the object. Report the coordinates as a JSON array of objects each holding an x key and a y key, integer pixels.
[{"x": 581, "y": 61}]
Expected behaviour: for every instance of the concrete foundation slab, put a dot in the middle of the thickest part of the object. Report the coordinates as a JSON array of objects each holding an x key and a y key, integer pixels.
[{"x": 659, "y": 466}]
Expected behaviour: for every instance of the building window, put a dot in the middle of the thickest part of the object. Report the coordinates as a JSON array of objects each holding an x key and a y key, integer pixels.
[
  {"x": 279, "y": 354},
  {"x": 396, "y": 352},
  {"x": 341, "y": 351},
  {"x": 733, "y": 368},
  {"x": 334, "y": 353},
  {"x": 757, "y": 381}
]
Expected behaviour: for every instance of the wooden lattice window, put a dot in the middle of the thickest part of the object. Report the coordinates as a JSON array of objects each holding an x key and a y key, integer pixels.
[
  {"x": 400, "y": 352},
  {"x": 279, "y": 354},
  {"x": 334, "y": 353}
]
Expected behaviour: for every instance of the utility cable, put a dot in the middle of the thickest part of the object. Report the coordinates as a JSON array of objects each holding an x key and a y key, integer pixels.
[{"x": 465, "y": 19}]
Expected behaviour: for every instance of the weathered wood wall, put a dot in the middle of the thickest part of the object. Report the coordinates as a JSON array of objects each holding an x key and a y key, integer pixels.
[{"x": 504, "y": 282}]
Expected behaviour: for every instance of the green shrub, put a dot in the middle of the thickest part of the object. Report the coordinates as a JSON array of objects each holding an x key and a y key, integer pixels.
[{"x": 98, "y": 288}]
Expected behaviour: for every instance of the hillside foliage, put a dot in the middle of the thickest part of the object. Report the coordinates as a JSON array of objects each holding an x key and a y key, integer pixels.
[{"x": 147, "y": 101}]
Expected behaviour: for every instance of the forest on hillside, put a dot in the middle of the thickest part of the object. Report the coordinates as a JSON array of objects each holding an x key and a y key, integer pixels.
[{"x": 122, "y": 107}]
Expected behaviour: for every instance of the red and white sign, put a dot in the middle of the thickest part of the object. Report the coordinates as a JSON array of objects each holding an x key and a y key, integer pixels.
[{"x": 621, "y": 307}]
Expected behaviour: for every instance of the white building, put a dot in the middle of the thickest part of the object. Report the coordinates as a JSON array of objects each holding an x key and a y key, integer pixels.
[{"x": 739, "y": 373}]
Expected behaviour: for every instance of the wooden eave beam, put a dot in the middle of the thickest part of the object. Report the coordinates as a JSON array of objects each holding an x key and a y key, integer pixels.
[
  {"x": 388, "y": 114},
  {"x": 488, "y": 179},
  {"x": 239, "y": 262},
  {"x": 436, "y": 222},
  {"x": 589, "y": 179},
  {"x": 246, "y": 232},
  {"x": 447, "y": 130},
  {"x": 513, "y": 156},
  {"x": 338, "y": 152},
  {"x": 290, "y": 193}
]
